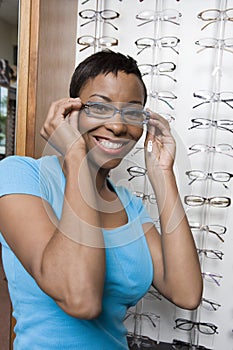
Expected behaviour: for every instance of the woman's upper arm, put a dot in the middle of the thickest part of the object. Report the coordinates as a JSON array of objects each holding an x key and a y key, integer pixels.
[{"x": 27, "y": 223}]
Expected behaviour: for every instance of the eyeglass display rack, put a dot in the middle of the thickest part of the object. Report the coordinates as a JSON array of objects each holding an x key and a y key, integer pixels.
[{"x": 184, "y": 50}]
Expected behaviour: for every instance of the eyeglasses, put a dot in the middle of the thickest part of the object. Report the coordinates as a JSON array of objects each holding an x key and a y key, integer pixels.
[
  {"x": 163, "y": 42},
  {"x": 188, "y": 325},
  {"x": 219, "y": 202},
  {"x": 210, "y": 305},
  {"x": 131, "y": 115},
  {"x": 219, "y": 176},
  {"x": 141, "y": 341},
  {"x": 214, "y": 15},
  {"x": 104, "y": 15},
  {"x": 158, "y": 69},
  {"x": 150, "y": 197},
  {"x": 152, "y": 16},
  {"x": 223, "y": 148},
  {"x": 211, "y": 97},
  {"x": 211, "y": 253},
  {"x": 204, "y": 123},
  {"x": 136, "y": 171},
  {"x": 213, "y": 43},
  {"x": 164, "y": 96},
  {"x": 212, "y": 277},
  {"x": 217, "y": 230},
  {"x": 182, "y": 345},
  {"x": 89, "y": 40}
]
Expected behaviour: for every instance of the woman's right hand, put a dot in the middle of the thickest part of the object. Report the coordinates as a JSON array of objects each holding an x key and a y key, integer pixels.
[{"x": 60, "y": 128}]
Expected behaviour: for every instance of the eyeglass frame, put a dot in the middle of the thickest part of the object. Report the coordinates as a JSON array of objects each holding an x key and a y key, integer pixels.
[
  {"x": 207, "y": 176},
  {"x": 116, "y": 110},
  {"x": 213, "y": 277},
  {"x": 218, "y": 254},
  {"x": 212, "y": 99},
  {"x": 208, "y": 201},
  {"x": 144, "y": 196},
  {"x": 155, "y": 41},
  {"x": 97, "y": 15},
  {"x": 217, "y": 44},
  {"x": 156, "y": 71},
  {"x": 209, "y": 229},
  {"x": 212, "y": 20},
  {"x": 197, "y": 324},
  {"x": 213, "y": 123},
  {"x": 215, "y": 306},
  {"x": 210, "y": 149},
  {"x": 158, "y": 17},
  {"x": 142, "y": 173},
  {"x": 96, "y": 40}
]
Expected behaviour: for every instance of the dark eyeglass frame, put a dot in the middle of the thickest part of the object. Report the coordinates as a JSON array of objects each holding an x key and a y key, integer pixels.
[
  {"x": 213, "y": 304},
  {"x": 214, "y": 97},
  {"x": 99, "y": 15},
  {"x": 136, "y": 171},
  {"x": 182, "y": 345},
  {"x": 211, "y": 253},
  {"x": 86, "y": 107},
  {"x": 213, "y": 328},
  {"x": 205, "y": 123}
]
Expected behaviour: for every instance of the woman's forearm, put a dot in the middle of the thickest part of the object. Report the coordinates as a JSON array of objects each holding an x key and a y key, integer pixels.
[
  {"x": 73, "y": 263},
  {"x": 181, "y": 271}
]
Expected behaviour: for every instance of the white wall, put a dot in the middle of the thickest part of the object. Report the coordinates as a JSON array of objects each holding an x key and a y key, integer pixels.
[{"x": 211, "y": 69}]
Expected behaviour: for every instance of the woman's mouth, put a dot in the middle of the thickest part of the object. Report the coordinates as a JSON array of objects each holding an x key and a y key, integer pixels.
[{"x": 109, "y": 144}]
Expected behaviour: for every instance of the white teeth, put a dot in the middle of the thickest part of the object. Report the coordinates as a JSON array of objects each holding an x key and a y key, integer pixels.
[{"x": 110, "y": 145}]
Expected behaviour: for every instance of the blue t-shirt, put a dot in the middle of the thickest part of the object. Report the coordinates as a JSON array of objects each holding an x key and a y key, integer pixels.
[{"x": 41, "y": 323}]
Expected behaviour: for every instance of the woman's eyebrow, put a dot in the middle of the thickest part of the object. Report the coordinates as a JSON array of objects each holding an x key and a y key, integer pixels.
[{"x": 110, "y": 100}]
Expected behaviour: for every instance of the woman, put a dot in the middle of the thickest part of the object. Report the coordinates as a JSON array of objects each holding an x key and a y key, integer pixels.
[{"x": 78, "y": 250}]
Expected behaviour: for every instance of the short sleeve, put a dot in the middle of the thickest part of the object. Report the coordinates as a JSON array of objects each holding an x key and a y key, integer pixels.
[{"x": 20, "y": 175}]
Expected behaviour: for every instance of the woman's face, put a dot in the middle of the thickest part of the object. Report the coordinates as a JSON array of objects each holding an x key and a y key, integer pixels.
[{"x": 109, "y": 140}]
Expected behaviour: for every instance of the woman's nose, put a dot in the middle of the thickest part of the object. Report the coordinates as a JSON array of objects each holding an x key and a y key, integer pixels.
[{"x": 116, "y": 124}]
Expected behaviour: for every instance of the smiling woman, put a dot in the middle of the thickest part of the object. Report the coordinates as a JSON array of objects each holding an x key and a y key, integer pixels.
[{"x": 87, "y": 249}]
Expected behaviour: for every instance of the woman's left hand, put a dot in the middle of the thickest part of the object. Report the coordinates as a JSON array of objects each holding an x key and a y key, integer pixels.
[{"x": 160, "y": 146}]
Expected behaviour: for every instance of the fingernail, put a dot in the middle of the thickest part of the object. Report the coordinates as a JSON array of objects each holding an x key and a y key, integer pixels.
[{"x": 149, "y": 146}]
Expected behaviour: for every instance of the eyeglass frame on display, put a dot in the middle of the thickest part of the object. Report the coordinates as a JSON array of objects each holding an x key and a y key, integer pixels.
[
  {"x": 212, "y": 97},
  {"x": 214, "y": 305},
  {"x": 207, "y": 175},
  {"x": 213, "y": 277},
  {"x": 209, "y": 229},
  {"x": 209, "y": 201},
  {"x": 217, "y": 254},
  {"x": 213, "y": 20},
  {"x": 155, "y": 69},
  {"x": 212, "y": 326},
  {"x": 205, "y": 123},
  {"x": 157, "y": 16},
  {"x": 156, "y": 42},
  {"x": 211, "y": 149},
  {"x": 157, "y": 95},
  {"x": 219, "y": 44},
  {"x": 99, "y": 16},
  {"x": 87, "y": 45}
]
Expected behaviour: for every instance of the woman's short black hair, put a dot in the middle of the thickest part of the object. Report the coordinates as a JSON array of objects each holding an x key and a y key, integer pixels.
[{"x": 103, "y": 62}]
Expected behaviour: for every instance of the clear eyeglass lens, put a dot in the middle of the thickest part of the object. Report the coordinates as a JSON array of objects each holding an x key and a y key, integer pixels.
[
  {"x": 221, "y": 176},
  {"x": 100, "y": 110},
  {"x": 135, "y": 116},
  {"x": 194, "y": 200},
  {"x": 219, "y": 201}
]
